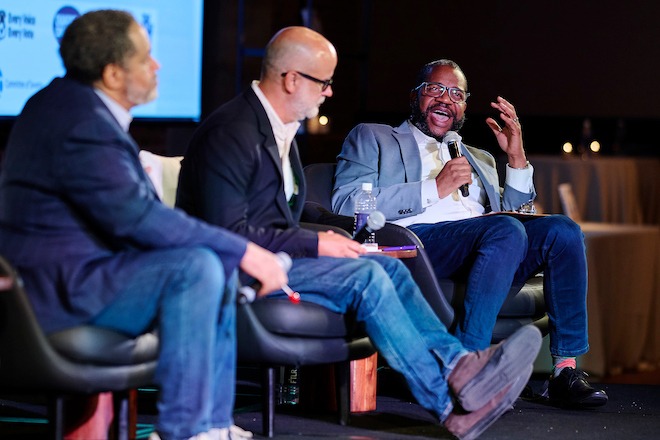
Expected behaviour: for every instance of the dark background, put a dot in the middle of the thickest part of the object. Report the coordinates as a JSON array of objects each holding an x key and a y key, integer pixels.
[{"x": 559, "y": 62}]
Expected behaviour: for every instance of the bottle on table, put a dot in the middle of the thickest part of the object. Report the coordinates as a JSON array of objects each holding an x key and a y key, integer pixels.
[{"x": 365, "y": 204}]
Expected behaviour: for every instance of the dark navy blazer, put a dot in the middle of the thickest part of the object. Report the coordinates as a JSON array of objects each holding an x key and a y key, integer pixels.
[
  {"x": 75, "y": 205},
  {"x": 232, "y": 176}
]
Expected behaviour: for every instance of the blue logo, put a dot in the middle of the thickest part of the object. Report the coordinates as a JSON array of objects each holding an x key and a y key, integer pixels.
[
  {"x": 62, "y": 20},
  {"x": 3, "y": 25},
  {"x": 1, "y": 83},
  {"x": 147, "y": 25}
]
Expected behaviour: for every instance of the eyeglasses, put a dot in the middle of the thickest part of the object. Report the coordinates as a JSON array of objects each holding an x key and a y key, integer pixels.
[
  {"x": 324, "y": 83},
  {"x": 436, "y": 90}
]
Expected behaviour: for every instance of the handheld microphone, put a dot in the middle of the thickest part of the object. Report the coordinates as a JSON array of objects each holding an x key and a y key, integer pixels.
[
  {"x": 375, "y": 221},
  {"x": 452, "y": 139},
  {"x": 247, "y": 294}
]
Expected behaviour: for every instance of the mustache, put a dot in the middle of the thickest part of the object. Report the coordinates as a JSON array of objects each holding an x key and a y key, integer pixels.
[
  {"x": 440, "y": 106},
  {"x": 418, "y": 118}
]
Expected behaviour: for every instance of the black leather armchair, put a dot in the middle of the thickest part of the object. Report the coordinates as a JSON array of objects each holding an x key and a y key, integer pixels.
[
  {"x": 274, "y": 332},
  {"x": 78, "y": 361},
  {"x": 523, "y": 306}
]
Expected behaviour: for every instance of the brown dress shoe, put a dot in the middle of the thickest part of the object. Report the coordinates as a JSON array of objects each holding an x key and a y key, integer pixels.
[
  {"x": 468, "y": 426},
  {"x": 478, "y": 376}
]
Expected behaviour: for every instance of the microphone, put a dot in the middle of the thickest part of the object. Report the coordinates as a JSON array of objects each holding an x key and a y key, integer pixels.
[
  {"x": 247, "y": 294},
  {"x": 375, "y": 221},
  {"x": 452, "y": 139}
]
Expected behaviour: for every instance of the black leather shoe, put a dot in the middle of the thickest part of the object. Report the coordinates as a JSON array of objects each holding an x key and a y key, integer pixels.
[{"x": 571, "y": 389}]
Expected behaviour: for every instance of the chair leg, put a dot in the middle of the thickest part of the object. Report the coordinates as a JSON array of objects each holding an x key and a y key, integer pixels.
[
  {"x": 56, "y": 411},
  {"x": 268, "y": 397},
  {"x": 342, "y": 376},
  {"x": 124, "y": 422}
]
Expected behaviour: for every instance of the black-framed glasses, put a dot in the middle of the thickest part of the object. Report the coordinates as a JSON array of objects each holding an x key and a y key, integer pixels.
[
  {"x": 325, "y": 83},
  {"x": 436, "y": 90}
]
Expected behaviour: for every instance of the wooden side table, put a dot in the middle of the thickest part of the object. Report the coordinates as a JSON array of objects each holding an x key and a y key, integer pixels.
[{"x": 364, "y": 371}]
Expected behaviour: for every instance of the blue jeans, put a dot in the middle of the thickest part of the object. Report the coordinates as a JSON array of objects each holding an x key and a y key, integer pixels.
[
  {"x": 380, "y": 291},
  {"x": 494, "y": 253},
  {"x": 184, "y": 293}
]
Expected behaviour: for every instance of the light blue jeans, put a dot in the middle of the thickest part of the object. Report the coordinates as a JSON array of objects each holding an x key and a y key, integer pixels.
[
  {"x": 492, "y": 253},
  {"x": 381, "y": 293},
  {"x": 183, "y": 292}
]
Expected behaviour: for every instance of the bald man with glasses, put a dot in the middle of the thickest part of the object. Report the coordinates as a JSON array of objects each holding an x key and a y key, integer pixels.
[{"x": 445, "y": 197}]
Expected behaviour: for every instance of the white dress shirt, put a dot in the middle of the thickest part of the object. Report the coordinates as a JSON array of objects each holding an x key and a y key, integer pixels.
[{"x": 284, "y": 134}]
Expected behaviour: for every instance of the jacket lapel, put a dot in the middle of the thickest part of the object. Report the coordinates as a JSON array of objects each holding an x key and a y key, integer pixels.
[
  {"x": 300, "y": 187},
  {"x": 412, "y": 163},
  {"x": 487, "y": 180},
  {"x": 270, "y": 146}
]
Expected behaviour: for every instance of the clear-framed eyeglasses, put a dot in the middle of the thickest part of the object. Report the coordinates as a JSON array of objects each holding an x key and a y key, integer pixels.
[{"x": 436, "y": 90}]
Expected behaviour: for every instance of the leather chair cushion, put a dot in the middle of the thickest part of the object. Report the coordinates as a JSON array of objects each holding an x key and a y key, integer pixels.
[
  {"x": 102, "y": 346},
  {"x": 304, "y": 319},
  {"x": 526, "y": 302}
]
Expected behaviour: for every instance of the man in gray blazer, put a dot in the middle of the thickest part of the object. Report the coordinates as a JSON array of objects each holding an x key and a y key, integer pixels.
[
  {"x": 242, "y": 171},
  {"x": 446, "y": 198}
]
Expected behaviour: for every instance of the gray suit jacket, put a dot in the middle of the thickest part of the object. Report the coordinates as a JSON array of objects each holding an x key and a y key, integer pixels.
[{"x": 388, "y": 157}]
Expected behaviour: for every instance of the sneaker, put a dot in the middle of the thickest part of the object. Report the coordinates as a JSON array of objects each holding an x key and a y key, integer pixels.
[
  {"x": 201, "y": 436},
  {"x": 468, "y": 426},
  {"x": 480, "y": 375},
  {"x": 571, "y": 389},
  {"x": 232, "y": 433}
]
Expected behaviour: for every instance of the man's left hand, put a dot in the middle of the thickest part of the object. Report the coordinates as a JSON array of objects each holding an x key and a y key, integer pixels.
[{"x": 509, "y": 137}]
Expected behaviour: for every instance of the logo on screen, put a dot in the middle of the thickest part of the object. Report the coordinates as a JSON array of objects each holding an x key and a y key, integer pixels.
[
  {"x": 62, "y": 20},
  {"x": 3, "y": 25},
  {"x": 147, "y": 25}
]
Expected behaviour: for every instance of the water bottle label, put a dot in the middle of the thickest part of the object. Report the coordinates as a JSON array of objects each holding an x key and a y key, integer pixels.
[{"x": 360, "y": 220}]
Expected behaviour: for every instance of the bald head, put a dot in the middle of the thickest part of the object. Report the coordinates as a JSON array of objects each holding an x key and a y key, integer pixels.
[
  {"x": 296, "y": 74},
  {"x": 297, "y": 48}
]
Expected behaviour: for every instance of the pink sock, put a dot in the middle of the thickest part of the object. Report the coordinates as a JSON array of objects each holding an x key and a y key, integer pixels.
[{"x": 563, "y": 362}]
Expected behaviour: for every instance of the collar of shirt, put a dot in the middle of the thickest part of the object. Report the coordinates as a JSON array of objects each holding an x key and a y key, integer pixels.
[
  {"x": 284, "y": 133},
  {"x": 421, "y": 138},
  {"x": 433, "y": 153},
  {"x": 122, "y": 115}
]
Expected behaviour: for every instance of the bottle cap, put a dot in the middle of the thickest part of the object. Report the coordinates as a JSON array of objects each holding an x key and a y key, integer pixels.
[{"x": 367, "y": 186}]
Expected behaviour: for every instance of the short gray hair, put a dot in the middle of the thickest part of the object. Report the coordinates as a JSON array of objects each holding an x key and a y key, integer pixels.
[{"x": 94, "y": 40}]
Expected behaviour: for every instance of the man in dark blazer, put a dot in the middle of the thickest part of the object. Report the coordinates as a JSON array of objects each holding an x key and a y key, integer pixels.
[
  {"x": 82, "y": 223},
  {"x": 417, "y": 182},
  {"x": 242, "y": 171}
]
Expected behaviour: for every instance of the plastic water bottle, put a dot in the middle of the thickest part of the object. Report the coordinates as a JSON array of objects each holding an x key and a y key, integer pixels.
[
  {"x": 289, "y": 386},
  {"x": 365, "y": 204}
]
